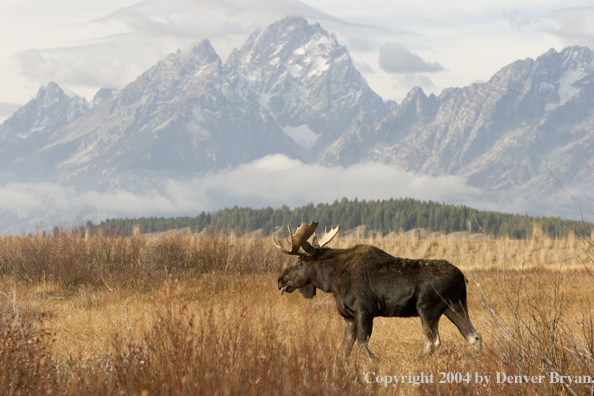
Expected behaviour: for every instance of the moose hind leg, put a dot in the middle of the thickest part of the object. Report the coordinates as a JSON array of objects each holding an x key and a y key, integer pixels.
[
  {"x": 364, "y": 329},
  {"x": 458, "y": 315},
  {"x": 431, "y": 331},
  {"x": 350, "y": 334}
]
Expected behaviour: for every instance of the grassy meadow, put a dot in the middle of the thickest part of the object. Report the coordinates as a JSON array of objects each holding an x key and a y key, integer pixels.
[{"x": 188, "y": 314}]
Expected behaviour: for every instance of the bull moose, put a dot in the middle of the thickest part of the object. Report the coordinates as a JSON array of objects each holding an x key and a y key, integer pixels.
[{"x": 367, "y": 282}]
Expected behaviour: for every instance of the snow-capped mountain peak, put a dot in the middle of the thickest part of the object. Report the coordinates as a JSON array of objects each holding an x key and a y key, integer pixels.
[
  {"x": 301, "y": 76},
  {"x": 567, "y": 71},
  {"x": 51, "y": 109}
]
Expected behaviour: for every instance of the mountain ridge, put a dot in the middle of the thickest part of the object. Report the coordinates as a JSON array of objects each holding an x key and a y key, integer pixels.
[{"x": 217, "y": 110}]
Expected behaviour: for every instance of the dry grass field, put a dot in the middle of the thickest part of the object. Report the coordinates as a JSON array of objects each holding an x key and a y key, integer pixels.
[{"x": 201, "y": 314}]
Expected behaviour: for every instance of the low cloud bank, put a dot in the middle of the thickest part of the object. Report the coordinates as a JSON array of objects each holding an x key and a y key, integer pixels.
[
  {"x": 274, "y": 181},
  {"x": 394, "y": 58}
]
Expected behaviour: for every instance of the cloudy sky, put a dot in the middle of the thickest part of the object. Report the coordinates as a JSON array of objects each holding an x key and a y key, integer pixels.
[{"x": 84, "y": 45}]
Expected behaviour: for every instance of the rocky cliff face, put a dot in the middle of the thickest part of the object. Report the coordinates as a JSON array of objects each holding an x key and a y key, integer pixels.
[{"x": 499, "y": 134}]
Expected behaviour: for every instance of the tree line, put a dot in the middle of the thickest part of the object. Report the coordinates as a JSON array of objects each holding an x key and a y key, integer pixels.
[{"x": 385, "y": 216}]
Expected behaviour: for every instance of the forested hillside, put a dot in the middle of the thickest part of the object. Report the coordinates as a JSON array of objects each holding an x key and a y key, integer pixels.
[{"x": 394, "y": 215}]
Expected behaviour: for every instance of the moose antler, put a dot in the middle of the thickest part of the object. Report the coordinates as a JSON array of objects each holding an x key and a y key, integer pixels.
[
  {"x": 326, "y": 238},
  {"x": 297, "y": 239}
]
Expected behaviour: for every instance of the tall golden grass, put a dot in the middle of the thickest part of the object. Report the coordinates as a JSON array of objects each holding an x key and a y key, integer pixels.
[{"x": 201, "y": 314}]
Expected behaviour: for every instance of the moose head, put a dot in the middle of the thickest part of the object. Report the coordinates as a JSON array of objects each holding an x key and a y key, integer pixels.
[{"x": 302, "y": 274}]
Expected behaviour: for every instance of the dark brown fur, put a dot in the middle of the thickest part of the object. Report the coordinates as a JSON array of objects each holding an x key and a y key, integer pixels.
[{"x": 367, "y": 282}]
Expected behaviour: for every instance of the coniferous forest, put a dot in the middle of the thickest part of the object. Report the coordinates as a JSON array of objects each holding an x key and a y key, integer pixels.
[{"x": 394, "y": 215}]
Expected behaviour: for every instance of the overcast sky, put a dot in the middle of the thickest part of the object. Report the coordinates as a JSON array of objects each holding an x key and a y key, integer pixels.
[{"x": 84, "y": 45}]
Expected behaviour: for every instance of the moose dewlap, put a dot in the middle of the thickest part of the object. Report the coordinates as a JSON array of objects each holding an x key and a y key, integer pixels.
[{"x": 367, "y": 282}]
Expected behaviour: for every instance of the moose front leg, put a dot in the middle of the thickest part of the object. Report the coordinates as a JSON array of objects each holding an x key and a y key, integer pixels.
[
  {"x": 350, "y": 335},
  {"x": 364, "y": 329}
]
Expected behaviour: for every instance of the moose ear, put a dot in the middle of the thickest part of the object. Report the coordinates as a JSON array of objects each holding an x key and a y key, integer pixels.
[
  {"x": 308, "y": 248},
  {"x": 308, "y": 291}
]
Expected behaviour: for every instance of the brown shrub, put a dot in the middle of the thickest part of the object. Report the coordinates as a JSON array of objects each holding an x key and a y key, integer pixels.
[
  {"x": 25, "y": 360},
  {"x": 69, "y": 258}
]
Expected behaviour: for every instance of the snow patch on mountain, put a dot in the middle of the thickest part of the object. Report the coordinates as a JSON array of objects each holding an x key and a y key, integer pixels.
[
  {"x": 304, "y": 136},
  {"x": 566, "y": 88}
]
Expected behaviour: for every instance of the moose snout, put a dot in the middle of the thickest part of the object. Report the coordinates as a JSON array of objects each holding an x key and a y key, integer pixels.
[
  {"x": 281, "y": 286},
  {"x": 285, "y": 285}
]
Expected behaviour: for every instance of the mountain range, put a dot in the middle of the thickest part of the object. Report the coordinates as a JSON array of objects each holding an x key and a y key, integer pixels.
[{"x": 292, "y": 89}]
